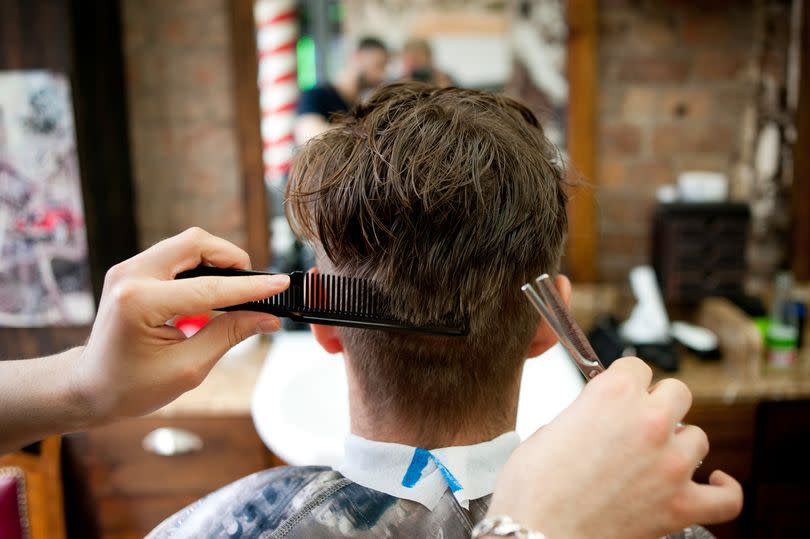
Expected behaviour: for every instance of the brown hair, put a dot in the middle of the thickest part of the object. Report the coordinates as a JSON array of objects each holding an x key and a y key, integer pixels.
[{"x": 449, "y": 200}]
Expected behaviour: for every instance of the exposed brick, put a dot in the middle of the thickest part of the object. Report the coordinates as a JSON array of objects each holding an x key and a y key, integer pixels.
[
  {"x": 693, "y": 105},
  {"x": 641, "y": 104},
  {"x": 731, "y": 102},
  {"x": 719, "y": 65},
  {"x": 180, "y": 8},
  {"x": 621, "y": 139},
  {"x": 184, "y": 144},
  {"x": 700, "y": 28},
  {"x": 206, "y": 106},
  {"x": 195, "y": 30},
  {"x": 610, "y": 103},
  {"x": 615, "y": 4},
  {"x": 713, "y": 162},
  {"x": 685, "y": 95},
  {"x": 627, "y": 246},
  {"x": 657, "y": 69},
  {"x": 624, "y": 32},
  {"x": 614, "y": 25},
  {"x": 611, "y": 172},
  {"x": 187, "y": 71},
  {"x": 656, "y": 33},
  {"x": 614, "y": 268},
  {"x": 625, "y": 212},
  {"x": 693, "y": 139},
  {"x": 650, "y": 174}
]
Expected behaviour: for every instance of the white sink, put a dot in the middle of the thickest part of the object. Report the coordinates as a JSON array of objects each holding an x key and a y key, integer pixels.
[{"x": 301, "y": 409}]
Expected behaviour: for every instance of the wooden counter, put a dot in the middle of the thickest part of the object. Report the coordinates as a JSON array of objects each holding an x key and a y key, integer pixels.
[
  {"x": 130, "y": 490},
  {"x": 711, "y": 381},
  {"x": 759, "y": 432},
  {"x": 228, "y": 389}
]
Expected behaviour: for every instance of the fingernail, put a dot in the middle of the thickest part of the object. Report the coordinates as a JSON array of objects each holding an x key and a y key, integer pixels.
[
  {"x": 268, "y": 325},
  {"x": 278, "y": 280}
]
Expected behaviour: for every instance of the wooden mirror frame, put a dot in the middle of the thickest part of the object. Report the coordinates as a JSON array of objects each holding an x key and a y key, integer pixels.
[
  {"x": 581, "y": 129},
  {"x": 248, "y": 116}
]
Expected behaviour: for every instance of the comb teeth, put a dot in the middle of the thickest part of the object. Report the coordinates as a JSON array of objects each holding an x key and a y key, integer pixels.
[
  {"x": 337, "y": 294},
  {"x": 332, "y": 294}
]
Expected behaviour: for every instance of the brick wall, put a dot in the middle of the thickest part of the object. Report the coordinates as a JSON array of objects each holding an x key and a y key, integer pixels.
[
  {"x": 672, "y": 89},
  {"x": 181, "y": 118}
]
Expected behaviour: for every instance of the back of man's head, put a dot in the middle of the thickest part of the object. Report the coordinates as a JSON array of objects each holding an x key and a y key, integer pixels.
[
  {"x": 449, "y": 200},
  {"x": 369, "y": 43}
]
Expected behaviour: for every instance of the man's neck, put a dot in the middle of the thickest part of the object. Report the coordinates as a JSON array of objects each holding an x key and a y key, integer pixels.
[{"x": 367, "y": 422}]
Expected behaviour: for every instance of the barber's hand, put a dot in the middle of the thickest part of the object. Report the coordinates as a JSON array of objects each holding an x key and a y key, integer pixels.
[
  {"x": 613, "y": 465},
  {"x": 133, "y": 362}
]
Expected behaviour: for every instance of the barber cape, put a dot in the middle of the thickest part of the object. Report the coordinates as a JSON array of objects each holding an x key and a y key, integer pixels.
[{"x": 380, "y": 490}]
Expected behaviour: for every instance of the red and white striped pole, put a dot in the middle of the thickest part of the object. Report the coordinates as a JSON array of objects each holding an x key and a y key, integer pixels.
[{"x": 276, "y": 35}]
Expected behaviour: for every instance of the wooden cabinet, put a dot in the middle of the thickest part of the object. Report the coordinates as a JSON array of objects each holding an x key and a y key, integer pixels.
[
  {"x": 764, "y": 445},
  {"x": 133, "y": 490},
  {"x": 780, "y": 493},
  {"x": 699, "y": 250},
  {"x": 731, "y": 432},
  {"x": 730, "y": 429}
]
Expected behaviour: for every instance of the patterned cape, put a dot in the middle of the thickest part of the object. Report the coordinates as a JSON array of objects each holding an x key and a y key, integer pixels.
[{"x": 313, "y": 502}]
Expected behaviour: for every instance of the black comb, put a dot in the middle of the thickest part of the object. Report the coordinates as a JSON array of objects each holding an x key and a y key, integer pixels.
[{"x": 334, "y": 300}]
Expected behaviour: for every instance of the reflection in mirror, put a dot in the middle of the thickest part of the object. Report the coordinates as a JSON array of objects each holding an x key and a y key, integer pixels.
[
  {"x": 515, "y": 47},
  {"x": 305, "y": 46}
]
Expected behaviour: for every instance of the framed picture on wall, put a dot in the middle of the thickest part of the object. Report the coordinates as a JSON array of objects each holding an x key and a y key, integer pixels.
[{"x": 44, "y": 270}]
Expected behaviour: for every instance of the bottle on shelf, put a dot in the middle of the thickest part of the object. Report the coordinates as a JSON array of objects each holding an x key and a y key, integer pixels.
[{"x": 782, "y": 335}]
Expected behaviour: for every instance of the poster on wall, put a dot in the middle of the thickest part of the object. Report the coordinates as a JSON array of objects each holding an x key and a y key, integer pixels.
[{"x": 44, "y": 271}]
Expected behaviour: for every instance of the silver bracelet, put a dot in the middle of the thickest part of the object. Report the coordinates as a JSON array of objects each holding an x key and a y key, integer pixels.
[{"x": 504, "y": 526}]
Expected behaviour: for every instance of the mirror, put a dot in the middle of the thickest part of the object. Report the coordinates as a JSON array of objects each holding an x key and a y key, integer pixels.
[
  {"x": 518, "y": 48},
  {"x": 539, "y": 51}
]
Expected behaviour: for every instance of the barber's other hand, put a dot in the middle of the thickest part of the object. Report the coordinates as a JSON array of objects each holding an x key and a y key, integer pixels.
[
  {"x": 613, "y": 465},
  {"x": 133, "y": 362}
]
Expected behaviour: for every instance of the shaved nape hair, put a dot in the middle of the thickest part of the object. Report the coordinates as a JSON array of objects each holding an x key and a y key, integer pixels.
[{"x": 449, "y": 200}]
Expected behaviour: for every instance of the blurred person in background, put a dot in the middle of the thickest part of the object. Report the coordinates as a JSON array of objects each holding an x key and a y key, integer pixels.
[
  {"x": 364, "y": 71},
  {"x": 417, "y": 64}
]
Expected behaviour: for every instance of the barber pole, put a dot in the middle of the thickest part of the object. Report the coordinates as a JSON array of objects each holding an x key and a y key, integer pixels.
[{"x": 276, "y": 34}]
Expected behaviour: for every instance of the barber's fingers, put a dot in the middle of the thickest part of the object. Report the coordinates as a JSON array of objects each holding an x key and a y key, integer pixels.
[
  {"x": 639, "y": 372},
  {"x": 719, "y": 501},
  {"x": 161, "y": 300},
  {"x": 693, "y": 444},
  {"x": 185, "y": 251},
  {"x": 208, "y": 345},
  {"x": 674, "y": 397}
]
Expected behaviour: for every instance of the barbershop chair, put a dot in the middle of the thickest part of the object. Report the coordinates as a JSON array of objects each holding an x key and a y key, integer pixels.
[{"x": 31, "y": 493}]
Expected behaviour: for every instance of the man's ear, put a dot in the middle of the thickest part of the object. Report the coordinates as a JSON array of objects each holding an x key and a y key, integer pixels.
[
  {"x": 326, "y": 336},
  {"x": 544, "y": 338}
]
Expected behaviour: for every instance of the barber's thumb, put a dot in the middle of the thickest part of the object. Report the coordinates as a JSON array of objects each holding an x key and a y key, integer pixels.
[{"x": 227, "y": 330}]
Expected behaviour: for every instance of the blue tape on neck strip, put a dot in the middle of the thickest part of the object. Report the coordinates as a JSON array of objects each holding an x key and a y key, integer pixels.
[
  {"x": 418, "y": 463},
  {"x": 420, "y": 459},
  {"x": 451, "y": 480}
]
